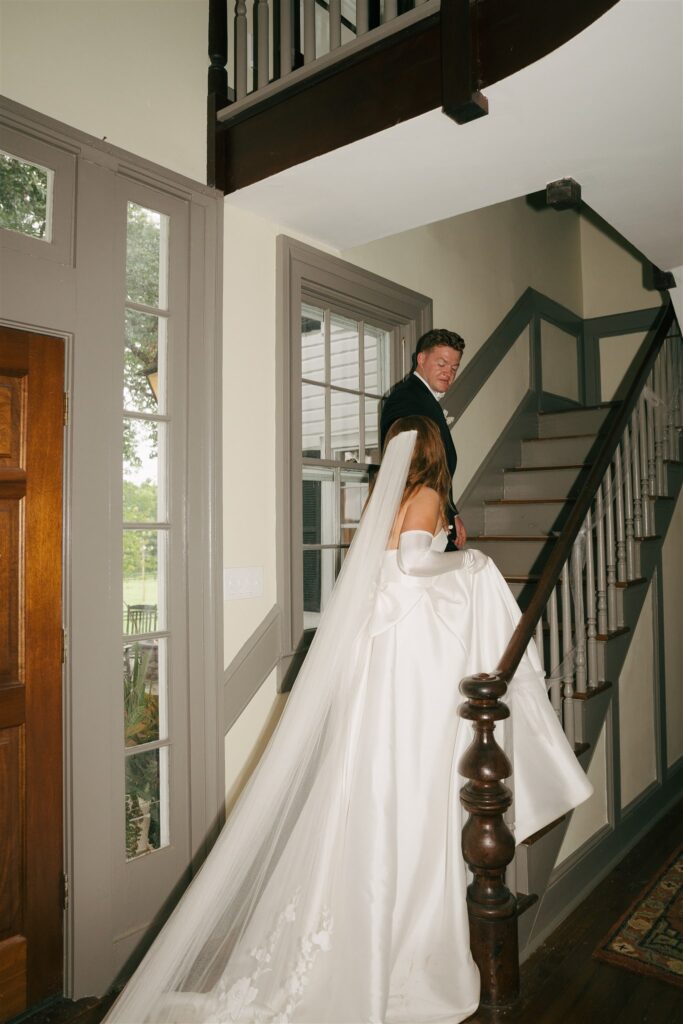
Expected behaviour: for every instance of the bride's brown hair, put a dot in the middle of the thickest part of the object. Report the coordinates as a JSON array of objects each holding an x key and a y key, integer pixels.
[{"x": 428, "y": 467}]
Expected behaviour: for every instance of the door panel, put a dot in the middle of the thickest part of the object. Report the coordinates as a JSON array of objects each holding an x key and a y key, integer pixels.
[{"x": 31, "y": 449}]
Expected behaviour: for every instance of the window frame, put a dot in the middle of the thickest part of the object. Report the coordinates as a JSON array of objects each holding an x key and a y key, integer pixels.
[{"x": 305, "y": 274}]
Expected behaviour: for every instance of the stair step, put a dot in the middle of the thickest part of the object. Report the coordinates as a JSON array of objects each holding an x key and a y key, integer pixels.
[
  {"x": 553, "y": 482},
  {"x": 593, "y": 692},
  {"x": 531, "y": 516},
  {"x": 516, "y": 555},
  {"x": 556, "y": 451},
  {"x": 573, "y": 421},
  {"x": 524, "y": 901}
]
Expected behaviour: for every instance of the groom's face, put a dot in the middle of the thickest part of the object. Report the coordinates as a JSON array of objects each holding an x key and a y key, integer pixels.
[{"x": 438, "y": 366}]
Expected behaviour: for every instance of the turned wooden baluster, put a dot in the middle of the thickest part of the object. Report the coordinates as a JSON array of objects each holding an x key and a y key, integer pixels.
[
  {"x": 567, "y": 657},
  {"x": 646, "y": 508},
  {"x": 651, "y": 462},
  {"x": 554, "y": 651},
  {"x": 620, "y": 523},
  {"x": 591, "y": 608},
  {"x": 309, "y": 31},
  {"x": 610, "y": 554},
  {"x": 261, "y": 19},
  {"x": 638, "y": 527},
  {"x": 602, "y": 564},
  {"x": 631, "y": 572},
  {"x": 240, "y": 49},
  {"x": 390, "y": 10},
  {"x": 218, "y": 51},
  {"x": 487, "y": 843},
  {"x": 677, "y": 352},
  {"x": 362, "y": 16},
  {"x": 660, "y": 440},
  {"x": 335, "y": 24},
  {"x": 671, "y": 412},
  {"x": 579, "y": 619},
  {"x": 285, "y": 37}
]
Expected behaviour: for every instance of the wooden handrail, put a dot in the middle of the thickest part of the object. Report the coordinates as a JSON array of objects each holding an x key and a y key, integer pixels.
[
  {"x": 487, "y": 844},
  {"x": 519, "y": 641}
]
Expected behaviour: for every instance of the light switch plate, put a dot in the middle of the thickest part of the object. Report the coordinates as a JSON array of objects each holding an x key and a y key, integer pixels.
[{"x": 242, "y": 582}]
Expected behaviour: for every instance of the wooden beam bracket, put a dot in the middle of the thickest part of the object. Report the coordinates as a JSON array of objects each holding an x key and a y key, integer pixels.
[{"x": 461, "y": 99}]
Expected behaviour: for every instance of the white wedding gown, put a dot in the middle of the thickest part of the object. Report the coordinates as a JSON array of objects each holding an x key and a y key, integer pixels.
[
  {"x": 335, "y": 892},
  {"x": 363, "y": 917}
]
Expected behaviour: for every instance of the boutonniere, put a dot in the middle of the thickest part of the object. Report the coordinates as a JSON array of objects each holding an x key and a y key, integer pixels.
[{"x": 450, "y": 420}]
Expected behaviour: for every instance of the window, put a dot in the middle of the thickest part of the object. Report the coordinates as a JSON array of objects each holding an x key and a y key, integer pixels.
[
  {"x": 25, "y": 197},
  {"x": 145, "y": 532},
  {"x": 348, "y": 335},
  {"x": 345, "y": 368}
]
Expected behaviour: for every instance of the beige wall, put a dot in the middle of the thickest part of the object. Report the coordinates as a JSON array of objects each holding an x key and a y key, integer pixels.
[
  {"x": 133, "y": 71},
  {"x": 637, "y": 709},
  {"x": 612, "y": 278},
  {"x": 672, "y": 590},
  {"x": 616, "y": 355},
  {"x": 476, "y": 266},
  {"x": 559, "y": 360},
  {"x": 592, "y": 815}
]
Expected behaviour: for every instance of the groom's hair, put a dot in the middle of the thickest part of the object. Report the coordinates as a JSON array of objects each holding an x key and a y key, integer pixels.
[{"x": 434, "y": 338}]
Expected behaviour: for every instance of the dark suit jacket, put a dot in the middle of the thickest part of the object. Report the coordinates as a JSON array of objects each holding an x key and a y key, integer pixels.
[{"x": 410, "y": 397}]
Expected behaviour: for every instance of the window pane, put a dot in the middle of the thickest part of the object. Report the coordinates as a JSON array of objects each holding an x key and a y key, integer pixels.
[
  {"x": 144, "y": 493},
  {"x": 353, "y": 495},
  {"x": 147, "y": 256},
  {"x": 312, "y": 343},
  {"x": 144, "y": 690},
  {"x": 320, "y": 570},
  {"x": 345, "y": 427},
  {"x": 372, "y": 429},
  {"x": 344, "y": 366},
  {"x": 313, "y": 421},
  {"x": 144, "y": 578},
  {"x": 377, "y": 359},
  {"x": 144, "y": 367},
  {"x": 146, "y": 802},
  {"x": 318, "y": 507},
  {"x": 25, "y": 197}
]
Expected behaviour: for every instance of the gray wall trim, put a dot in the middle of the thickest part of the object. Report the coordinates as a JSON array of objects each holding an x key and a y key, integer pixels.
[
  {"x": 251, "y": 666},
  {"x": 598, "y": 327}
]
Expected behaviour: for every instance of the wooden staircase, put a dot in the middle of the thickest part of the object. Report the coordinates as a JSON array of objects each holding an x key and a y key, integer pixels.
[{"x": 577, "y": 532}]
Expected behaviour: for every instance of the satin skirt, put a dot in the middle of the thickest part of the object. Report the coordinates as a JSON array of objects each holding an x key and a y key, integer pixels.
[{"x": 364, "y": 919}]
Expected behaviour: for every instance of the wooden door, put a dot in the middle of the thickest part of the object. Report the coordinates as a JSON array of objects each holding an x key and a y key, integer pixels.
[{"x": 31, "y": 880}]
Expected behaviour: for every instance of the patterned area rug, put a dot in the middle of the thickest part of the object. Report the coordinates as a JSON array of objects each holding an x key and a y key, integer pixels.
[{"x": 649, "y": 937}]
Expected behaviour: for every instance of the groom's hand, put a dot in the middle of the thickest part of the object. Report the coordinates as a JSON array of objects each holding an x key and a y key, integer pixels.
[{"x": 460, "y": 532}]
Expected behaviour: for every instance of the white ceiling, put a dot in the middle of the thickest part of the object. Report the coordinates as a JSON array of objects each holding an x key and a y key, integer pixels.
[{"x": 605, "y": 109}]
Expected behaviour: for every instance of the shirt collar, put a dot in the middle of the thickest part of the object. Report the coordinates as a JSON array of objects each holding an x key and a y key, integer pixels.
[{"x": 438, "y": 395}]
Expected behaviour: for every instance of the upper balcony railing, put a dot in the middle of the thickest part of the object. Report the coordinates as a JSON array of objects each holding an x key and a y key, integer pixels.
[{"x": 293, "y": 79}]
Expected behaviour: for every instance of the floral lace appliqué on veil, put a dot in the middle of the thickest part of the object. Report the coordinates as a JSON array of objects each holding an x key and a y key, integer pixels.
[{"x": 239, "y": 1002}]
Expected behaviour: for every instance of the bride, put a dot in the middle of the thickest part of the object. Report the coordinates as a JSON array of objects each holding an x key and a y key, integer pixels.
[{"x": 336, "y": 890}]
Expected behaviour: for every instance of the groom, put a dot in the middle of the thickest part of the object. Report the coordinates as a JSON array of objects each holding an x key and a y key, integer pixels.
[{"x": 435, "y": 365}]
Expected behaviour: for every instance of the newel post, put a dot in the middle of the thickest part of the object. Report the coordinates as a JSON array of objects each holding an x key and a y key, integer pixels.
[
  {"x": 487, "y": 843},
  {"x": 217, "y": 93}
]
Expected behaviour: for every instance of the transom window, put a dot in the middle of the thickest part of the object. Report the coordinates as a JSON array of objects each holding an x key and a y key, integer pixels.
[{"x": 26, "y": 197}]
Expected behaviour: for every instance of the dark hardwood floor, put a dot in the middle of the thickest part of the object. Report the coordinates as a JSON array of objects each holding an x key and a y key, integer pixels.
[{"x": 561, "y": 983}]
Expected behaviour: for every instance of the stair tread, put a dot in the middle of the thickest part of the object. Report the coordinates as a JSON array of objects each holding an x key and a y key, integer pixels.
[
  {"x": 544, "y": 469},
  {"x": 579, "y": 408},
  {"x": 560, "y": 437},
  {"x": 512, "y": 578},
  {"x": 526, "y": 501},
  {"x": 512, "y": 536},
  {"x": 594, "y": 691},
  {"x": 610, "y": 634},
  {"x": 631, "y": 583}
]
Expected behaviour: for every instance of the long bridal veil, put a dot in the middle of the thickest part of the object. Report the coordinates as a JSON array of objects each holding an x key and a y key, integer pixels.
[{"x": 230, "y": 927}]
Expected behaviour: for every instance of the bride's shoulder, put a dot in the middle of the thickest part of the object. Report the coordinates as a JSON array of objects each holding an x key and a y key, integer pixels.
[{"x": 422, "y": 510}]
